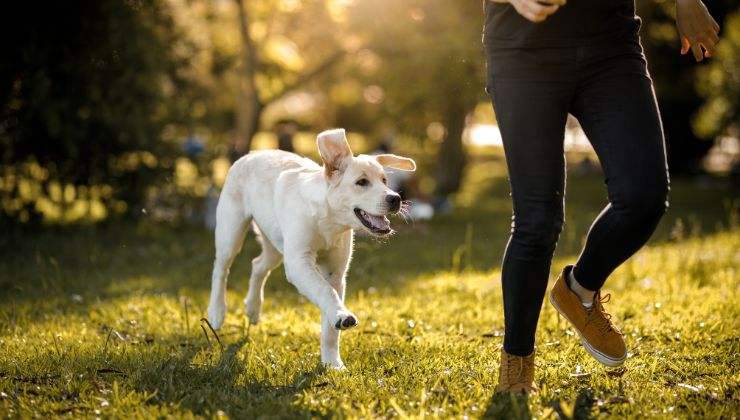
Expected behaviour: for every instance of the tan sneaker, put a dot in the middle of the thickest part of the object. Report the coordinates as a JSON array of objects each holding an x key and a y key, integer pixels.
[
  {"x": 599, "y": 336},
  {"x": 516, "y": 374}
]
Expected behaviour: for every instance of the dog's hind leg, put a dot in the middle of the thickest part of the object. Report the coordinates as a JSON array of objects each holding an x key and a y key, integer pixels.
[
  {"x": 261, "y": 267},
  {"x": 231, "y": 226}
]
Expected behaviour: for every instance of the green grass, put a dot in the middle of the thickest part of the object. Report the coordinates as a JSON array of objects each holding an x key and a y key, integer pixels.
[{"x": 104, "y": 322}]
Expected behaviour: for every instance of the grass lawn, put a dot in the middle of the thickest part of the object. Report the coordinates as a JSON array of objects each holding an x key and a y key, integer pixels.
[{"x": 105, "y": 322}]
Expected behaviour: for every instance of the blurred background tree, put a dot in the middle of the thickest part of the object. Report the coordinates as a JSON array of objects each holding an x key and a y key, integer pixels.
[
  {"x": 719, "y": 84},
  {"x": 285, "y": 47},
  {"x": 677, "y": 82},
  {"x": 86, "y": 89},
  {"x": 100, "y": 101},
  {"x": 431, "y": 71}
]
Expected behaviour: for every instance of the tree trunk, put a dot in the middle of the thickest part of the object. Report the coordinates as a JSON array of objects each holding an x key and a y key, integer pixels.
[
  {"x": 451, "y": 158},
  {"x": 249, "y": 112},
  {"x": 249, "y": 106}
]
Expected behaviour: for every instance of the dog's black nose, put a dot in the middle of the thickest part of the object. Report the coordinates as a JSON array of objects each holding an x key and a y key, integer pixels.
[{"x": 394, "y": 202}]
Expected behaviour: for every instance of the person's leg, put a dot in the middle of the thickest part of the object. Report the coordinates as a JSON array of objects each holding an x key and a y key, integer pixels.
[
  {"x": 617, "y": 109},
  {"x": 531, "y": 117},
  {"x": 616, "y": 106}
]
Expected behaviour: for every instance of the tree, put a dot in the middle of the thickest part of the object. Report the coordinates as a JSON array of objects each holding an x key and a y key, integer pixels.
[
  {"x": 675, "y": 79},
  {"x": 84, "y": 98},
  {"x": 431, "y": 70},
  {"x": 281, "y": 58},
  {"x": 719, "y": 83}
]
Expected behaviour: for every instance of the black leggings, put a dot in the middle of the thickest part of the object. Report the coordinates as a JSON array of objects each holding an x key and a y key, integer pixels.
[{"x": 608, "y": 89}]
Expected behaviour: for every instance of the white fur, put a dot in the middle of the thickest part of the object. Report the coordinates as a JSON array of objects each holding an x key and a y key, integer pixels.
[{"x": 305, "y": 216}]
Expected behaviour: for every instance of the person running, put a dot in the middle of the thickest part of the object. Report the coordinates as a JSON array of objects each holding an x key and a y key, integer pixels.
[{"x": 546, "y": 59}]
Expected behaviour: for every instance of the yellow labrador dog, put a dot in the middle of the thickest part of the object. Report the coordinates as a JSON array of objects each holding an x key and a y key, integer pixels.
[{"x": 304, "y": 215}]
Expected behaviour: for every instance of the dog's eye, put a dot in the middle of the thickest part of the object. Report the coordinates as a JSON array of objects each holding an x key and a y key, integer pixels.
[
  {"x": 385, "y": 181},
  {"x": 362, "y": 182}
]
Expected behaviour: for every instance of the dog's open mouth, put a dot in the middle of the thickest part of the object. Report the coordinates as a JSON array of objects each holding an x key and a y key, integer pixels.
[{"x": 379, "y": 225}]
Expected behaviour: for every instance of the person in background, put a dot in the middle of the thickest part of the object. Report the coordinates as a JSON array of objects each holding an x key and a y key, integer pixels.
[
  {"x": 239, "y": 148},
  {"x": 546, "y": 59},
  {"x": 405, "y": 183},
  {"x": 285, "y": 131}
]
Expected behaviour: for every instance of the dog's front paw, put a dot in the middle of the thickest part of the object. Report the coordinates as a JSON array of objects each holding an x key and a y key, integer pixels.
[
  {"x": 334, "y": 364},
  {"x": 345, "y": 320},
  {"x": 216, "y": 313}
]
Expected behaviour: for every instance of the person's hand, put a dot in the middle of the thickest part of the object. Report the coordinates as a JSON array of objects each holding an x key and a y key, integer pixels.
[
  {"x": 697, "y": 29},
  {"x": 534, "y": 10}
]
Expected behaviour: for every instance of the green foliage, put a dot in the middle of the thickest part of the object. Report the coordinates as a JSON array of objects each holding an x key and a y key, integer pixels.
[
  {"x": 94, "y": 95},
  {"x": 83, "y": 85},
  {"x": 291, "y": 39},
  {"x": 431, "y": 70},
  {"x": 719, "y": 83},
  {"x": 430, "y": 56},
  {"x": 676, "y": 82},
  {"x": 104, "y": 322}
]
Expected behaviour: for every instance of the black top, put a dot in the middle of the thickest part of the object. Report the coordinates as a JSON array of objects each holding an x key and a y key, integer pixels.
[{"x": 579, "y": 22}]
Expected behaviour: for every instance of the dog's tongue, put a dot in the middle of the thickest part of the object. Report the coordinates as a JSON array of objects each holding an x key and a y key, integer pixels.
[{"x": 379, "y": 222}]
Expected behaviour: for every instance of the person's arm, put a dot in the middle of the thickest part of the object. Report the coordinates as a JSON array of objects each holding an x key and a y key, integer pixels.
[
  {"x": 696, "y": 28},
  {"x": 534, "y": 10}
]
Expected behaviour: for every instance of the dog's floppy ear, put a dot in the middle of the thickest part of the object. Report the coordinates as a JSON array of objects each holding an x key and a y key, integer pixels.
[
  {"x": 396, "y": 162},
  {"x": 334, "y": 150}
]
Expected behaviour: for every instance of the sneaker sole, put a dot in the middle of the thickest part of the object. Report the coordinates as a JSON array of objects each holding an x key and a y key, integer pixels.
[{"x": 599, "y": 356}]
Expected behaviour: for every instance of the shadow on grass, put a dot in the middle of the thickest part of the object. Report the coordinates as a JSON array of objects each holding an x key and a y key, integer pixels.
[
  {"x": 515, "y": 406},
  {"x": 178, "y": 372},
  {"x": 581, "y": 409},
  {"x": 207, "y": 388},
  {"x": 507, "y": 405}
]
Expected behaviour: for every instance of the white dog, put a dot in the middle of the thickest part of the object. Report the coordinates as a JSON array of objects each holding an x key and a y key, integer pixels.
[{"x": 304, "y": 215}]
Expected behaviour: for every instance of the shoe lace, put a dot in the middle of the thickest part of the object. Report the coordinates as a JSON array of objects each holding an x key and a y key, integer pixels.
[
  {"x": 527, "y": 366},
  {"x": 519, "y": 368},
  {"x": 598, "y": 315},
  {"x": 514, "y": 367}
]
